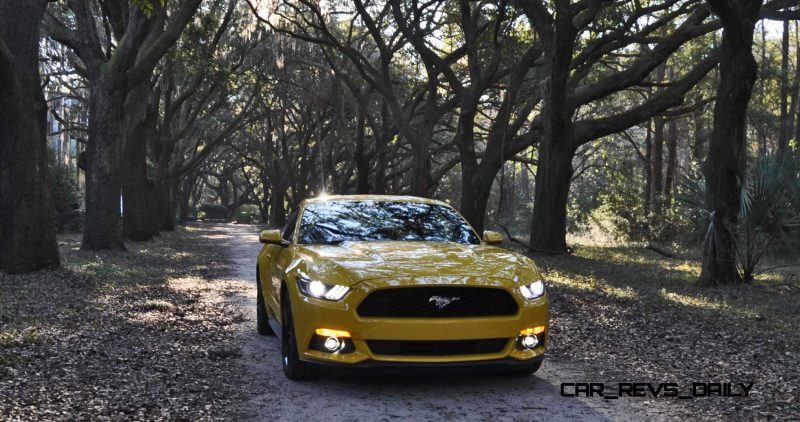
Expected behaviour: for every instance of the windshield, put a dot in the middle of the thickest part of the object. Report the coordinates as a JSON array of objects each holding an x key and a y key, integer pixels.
[{"x": 340, "y": 221}]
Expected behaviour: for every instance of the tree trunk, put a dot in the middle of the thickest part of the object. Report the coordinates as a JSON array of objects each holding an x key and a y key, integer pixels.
[
  {"x": 658, "y": 164},
  {"x": 553, "y": 177},
  {"x": 699, "y": 135},
  {"x": 381, "y": 140},
  {"x": 725, "y": 165},
  {"x": 786, "y": 126},
  {"x": 548, "y": 230},
  {"x": 672, "y": 158},
  {"x": 765, "y": 101},
  {"x": 381, "y": 163},
  {"x": 164, "y": 186},
  {"x": 648, "y": 170},
  {"x": 185, "y": 196},
  {"x": 362, "y": 161},
  {"x": 795, "y": 90},
  {"x": 164, "y": 197},
  {"x": 263, "y": 203},
  {"x": 275, "y": 160},
  {"x": 167, "y": 213},
  {"x": 510, "y": 194},
  {"x": 277, "y": 209},
  {"x": 474, "y": 189},
  {"x": 138, "y": 191},
  {"x": 420, "y": 147},
  {"x": 102, "y": 228},
  {"x": 182, "y": 196},
  {"x": 422, "y": 163},
  {"x": 27, "y": 227},
  {"x": 657, "y": 172},
  {"x": 138, "y": 207}
]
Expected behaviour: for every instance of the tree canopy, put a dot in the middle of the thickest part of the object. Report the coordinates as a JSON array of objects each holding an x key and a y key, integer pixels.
[{"x": 540, "y": 118}]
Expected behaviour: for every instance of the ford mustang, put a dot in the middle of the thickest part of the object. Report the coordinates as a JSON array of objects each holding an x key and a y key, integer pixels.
[{"x": 396, "y": 281}]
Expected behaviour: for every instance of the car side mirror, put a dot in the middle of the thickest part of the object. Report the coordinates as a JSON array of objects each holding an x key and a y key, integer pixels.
[
  {"x": 272, "y": 237},
  {"x": 492, "y": 238}
]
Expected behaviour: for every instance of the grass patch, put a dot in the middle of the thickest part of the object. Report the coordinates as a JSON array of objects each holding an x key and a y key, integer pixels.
[
  {"x": 621, "y": 254},
  {"x": 100, "y": 268},
  {"x": 155, "y": 305},
  {"x": 13, "y": 340},
  {"x": 17, "y": 338},
  {"x": 702, "y": 302}
]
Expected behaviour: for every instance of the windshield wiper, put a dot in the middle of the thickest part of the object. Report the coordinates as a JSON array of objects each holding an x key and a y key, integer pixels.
[{"x": 334, "y": 242}]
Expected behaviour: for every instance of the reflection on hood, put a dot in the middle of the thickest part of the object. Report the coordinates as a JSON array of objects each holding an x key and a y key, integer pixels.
[{"x": 358, "y": 261}]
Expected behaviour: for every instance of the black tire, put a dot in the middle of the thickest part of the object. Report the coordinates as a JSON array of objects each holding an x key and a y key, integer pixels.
[
  {"x": 262, "y": 319},
  {"x": 293, "y": 367},
  {"x": 527, "y": 370}
]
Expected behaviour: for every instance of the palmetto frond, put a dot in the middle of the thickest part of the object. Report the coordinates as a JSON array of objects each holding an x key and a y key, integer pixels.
[{"x": 769, "y": 207}]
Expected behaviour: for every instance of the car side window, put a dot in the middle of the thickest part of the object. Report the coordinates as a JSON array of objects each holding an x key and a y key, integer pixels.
[{"x": 288, "y": 231}]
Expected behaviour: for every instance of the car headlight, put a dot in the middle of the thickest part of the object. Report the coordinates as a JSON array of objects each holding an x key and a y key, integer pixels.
[
  {"x": 320, "y": 290},
  {"x": 533, "y": 290}
]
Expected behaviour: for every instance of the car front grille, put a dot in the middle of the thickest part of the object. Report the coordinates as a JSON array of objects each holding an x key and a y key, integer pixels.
[
  {"x": 438, "y": 302},
  {"x": 437, "y": 348}
]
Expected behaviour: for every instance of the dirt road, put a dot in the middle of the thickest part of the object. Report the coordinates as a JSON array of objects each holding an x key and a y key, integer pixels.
[{"x": 402, "y": 397}]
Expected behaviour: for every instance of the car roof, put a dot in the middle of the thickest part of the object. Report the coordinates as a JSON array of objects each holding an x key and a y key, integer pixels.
[{"x": 372, "y": 197}]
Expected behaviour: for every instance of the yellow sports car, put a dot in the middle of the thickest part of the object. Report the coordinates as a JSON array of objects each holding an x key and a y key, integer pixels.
[{"x": 371, "y": 281}]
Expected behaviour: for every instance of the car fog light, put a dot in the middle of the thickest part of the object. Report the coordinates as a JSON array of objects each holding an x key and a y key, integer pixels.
[
  {"x": 333, "y": 344},
  {"x": 530, "y": 341},
  {"x": 328, "y": 340}
]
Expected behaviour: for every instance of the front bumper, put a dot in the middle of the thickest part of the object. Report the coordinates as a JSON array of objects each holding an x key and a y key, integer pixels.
[
  {"x": 310, "y": 314},
  {"x": 380, "y": 367}
]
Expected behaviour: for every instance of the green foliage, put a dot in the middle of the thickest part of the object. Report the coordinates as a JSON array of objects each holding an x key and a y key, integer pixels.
[
  {"x": 247, "y": 214},
  {"x": 66, "y": 196},
  {"x": 155, "y": 305},
  {"x": 213, "y": 211},
  {"x": 620, "y": 214},
  {"x": 608, "y": 201},
  {"x": 769, "y": 211},
  {"x": 147, "y": 6}
]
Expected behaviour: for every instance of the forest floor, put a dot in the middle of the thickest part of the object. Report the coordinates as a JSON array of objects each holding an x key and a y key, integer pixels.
[
  {"x": 166, "y": 331},
  {"x": 636, "y": 316}
]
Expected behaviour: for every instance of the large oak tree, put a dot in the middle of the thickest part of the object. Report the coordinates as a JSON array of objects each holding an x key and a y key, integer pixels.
[
  {"x": 727, "y": 154},
  {"x": 27, "y": 228},
  {"x": 117, "y": 57}
]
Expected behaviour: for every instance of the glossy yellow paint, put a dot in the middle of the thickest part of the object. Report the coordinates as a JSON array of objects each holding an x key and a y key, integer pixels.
[
  {"x": 369, "y": 266},
  {"x": 270, "y": 236}
]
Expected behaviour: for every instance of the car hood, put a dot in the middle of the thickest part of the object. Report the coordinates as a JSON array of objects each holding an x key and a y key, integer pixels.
[{"x": 352, "y": 262}]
